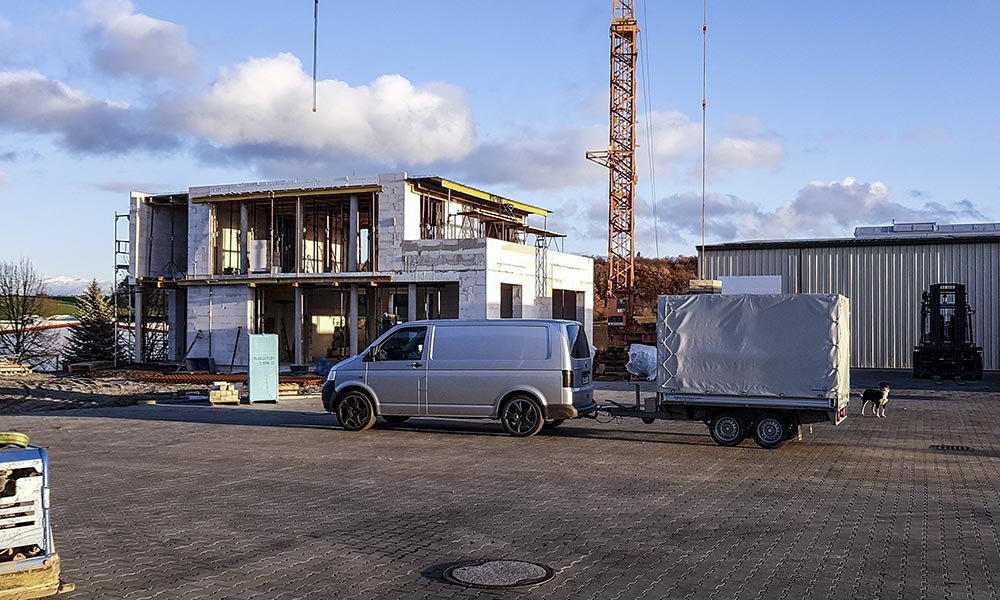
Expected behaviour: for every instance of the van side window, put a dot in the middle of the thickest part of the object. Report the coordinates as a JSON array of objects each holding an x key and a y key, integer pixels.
[{"x": 405, "y": 344}]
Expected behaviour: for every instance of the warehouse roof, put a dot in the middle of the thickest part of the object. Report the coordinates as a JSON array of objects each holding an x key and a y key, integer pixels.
[{"x": 896, "y": 234}]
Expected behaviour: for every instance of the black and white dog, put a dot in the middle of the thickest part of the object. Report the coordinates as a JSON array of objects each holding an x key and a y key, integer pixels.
[{"x": 878, "y": 396}]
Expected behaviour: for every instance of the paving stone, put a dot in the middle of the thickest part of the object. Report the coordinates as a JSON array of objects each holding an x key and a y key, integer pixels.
[{"x": 275, "y": 501}]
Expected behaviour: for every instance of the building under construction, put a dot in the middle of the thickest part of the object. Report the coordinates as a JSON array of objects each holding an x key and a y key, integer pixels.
[{"x": 329, "y": 265}]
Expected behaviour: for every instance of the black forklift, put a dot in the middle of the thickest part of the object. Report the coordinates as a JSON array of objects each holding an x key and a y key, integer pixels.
[{"x": 947, "y": 348}]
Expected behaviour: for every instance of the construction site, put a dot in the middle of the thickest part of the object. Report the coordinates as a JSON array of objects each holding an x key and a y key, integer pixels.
[
  {"x": 328, "y": 265},
  {"x": 423, "y": 316}
]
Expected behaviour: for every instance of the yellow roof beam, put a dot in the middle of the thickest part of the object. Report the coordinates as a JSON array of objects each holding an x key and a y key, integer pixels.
[
  {"x": 282, "y": 194},
  {"x": 481, "y": 195}
]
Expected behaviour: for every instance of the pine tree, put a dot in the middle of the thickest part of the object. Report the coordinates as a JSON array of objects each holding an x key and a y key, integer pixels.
[{"x": 94, "y": 338}]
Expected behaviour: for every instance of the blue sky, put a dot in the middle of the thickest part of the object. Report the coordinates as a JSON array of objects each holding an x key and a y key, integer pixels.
[{"x": 822, "y": 116}]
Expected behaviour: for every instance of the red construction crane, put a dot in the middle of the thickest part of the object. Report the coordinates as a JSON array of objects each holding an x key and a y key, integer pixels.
[{"x": 620, "y": 160}]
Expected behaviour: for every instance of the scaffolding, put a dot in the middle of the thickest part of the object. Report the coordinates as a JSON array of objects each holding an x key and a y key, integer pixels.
[{"x": 121, "y": 294}]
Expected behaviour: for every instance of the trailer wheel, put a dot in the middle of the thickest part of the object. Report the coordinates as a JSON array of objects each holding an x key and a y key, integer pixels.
[
  {"x": 648, "y": 421},
  {"x": 355, "y": 411},
  {"x": 727, "y": 429},
  {"x": 521, "y": 416},
  {"x": 769, "y": 431}
]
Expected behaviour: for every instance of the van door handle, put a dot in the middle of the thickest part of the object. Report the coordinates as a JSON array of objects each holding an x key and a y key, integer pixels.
[{"x": 416, "y": 365}]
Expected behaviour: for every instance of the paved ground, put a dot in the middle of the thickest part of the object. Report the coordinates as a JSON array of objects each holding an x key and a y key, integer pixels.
[{"x": 175, "y": 501}]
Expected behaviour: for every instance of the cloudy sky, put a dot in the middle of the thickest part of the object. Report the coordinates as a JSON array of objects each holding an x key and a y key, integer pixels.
[{"x": 821, "y": 116}]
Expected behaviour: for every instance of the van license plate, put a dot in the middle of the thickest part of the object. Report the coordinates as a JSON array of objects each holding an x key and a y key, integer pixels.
[{"x": 586, "y": 377}]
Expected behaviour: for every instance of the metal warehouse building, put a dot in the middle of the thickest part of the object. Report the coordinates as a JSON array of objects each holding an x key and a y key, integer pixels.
[{"x": 883, "y": 271}]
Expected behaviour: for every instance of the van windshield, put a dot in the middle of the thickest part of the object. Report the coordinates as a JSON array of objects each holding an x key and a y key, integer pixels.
[{"x": 579, "y": 345}]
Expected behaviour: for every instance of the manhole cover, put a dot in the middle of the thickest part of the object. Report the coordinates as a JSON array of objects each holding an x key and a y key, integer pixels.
[
  {"x": 498, "y": 573},
  {"x": 950, "y": 448}
]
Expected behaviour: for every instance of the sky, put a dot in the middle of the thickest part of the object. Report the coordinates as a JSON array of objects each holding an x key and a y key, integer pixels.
[{"x": 821, "y": 116}]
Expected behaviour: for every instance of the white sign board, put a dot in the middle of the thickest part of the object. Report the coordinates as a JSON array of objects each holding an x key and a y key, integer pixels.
[{"x": 751, "y": 284}]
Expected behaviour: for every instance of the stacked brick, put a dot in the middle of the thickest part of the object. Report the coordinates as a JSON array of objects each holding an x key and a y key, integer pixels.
[{"x": 223, "y": 392}]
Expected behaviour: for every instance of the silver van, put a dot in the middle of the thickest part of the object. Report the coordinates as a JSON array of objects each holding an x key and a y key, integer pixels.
[{"x": 527, "y": 373}]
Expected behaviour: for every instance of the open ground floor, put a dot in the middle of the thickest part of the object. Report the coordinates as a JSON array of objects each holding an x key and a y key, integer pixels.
[{"x": 318, "y": 319}]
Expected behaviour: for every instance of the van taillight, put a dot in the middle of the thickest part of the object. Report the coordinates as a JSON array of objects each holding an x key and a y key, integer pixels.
[{"x": 568, "y": 379}]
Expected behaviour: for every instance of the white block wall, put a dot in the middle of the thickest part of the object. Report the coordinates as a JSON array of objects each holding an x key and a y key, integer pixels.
[
  {"x": 462, "y": 261},
  {"x": 572, "y": 272},
  {"x": 219, "y": 311},
  {"x": 199, "y": 240},
  {"x": 391, "y": 219}
]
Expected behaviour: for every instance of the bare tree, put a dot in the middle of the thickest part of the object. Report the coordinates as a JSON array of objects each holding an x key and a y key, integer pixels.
[{"x": 22, "y": 300}]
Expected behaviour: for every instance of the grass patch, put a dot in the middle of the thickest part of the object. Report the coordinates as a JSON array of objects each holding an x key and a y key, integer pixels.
[{"x": 59, "y": 305}]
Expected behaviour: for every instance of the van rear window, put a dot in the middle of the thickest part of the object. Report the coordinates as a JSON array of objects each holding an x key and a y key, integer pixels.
[
  {"x": 579, "y": 345},
  {"x": 490, "y": 343}
]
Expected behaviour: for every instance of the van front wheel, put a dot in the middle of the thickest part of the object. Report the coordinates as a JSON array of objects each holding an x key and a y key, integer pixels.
[
  {"x": 521, "y": 416},
  {"x": 355, "y": 411}
]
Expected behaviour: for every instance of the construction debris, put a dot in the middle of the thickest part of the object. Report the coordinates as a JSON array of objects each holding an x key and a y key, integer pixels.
[{"x": 89, "y": 366}]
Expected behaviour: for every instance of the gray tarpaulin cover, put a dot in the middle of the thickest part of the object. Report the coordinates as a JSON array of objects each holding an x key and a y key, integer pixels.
[{"x": 792, "y": 345}]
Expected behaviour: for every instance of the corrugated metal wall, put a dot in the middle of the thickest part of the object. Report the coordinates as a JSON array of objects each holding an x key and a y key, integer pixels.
[{"x": 884, "y": 284}]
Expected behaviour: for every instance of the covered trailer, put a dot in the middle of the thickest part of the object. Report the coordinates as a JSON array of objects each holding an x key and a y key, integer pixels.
[{"x": 758, "y": 365}]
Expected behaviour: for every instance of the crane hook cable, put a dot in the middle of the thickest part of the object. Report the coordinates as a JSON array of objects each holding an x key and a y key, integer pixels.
[
  {"x": 704, "y": 127},
  {"x": 315, "y": 38},
  {"x": 647, "y": 94}
]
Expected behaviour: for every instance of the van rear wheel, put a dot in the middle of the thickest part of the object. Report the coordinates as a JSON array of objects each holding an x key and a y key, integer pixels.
[
  {"x": 355, "y": 411},
  {"x": 521, "y": 416}
]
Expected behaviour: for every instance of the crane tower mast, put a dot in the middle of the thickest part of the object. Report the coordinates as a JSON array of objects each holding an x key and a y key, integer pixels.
[{"x": 620, "y": 160}]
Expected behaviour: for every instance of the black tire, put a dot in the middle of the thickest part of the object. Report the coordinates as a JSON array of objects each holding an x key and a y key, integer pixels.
[
  {"x": 521, "y": 416},
  {"x": 648, "y": 421},
  {"x": 769, "y": 430},
  {"x": 395, "y": 419},
  {"x": 553, "y": 423},
  {"x": 728, "y": 429},
  {"x": 355, "y": 411}
]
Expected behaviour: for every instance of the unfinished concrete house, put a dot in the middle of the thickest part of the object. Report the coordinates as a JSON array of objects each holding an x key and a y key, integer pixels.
[{"x": 330, "y": 265}]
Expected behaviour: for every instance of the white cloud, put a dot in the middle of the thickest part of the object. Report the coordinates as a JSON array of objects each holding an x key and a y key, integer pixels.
[
  {"x": 262, "y": 108},
  {"x": 820, "y": 209},
  {"x": 3, "y": 180},
  {"x": 675, "y": 136},
  {"x": 534, "y": 160},
  {"x": 31, "y": 102},
  {"x": 127, "y": 43},
  {"x": 746, "y": 153},
  {"x": 745, "y": 126},
  {"x": 676, "y": 145}
]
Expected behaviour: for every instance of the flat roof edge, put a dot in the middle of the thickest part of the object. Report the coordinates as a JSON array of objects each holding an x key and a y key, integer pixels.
[
  {"x": 863, "y": 241},
  {"x": 285, "y": 186}
]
